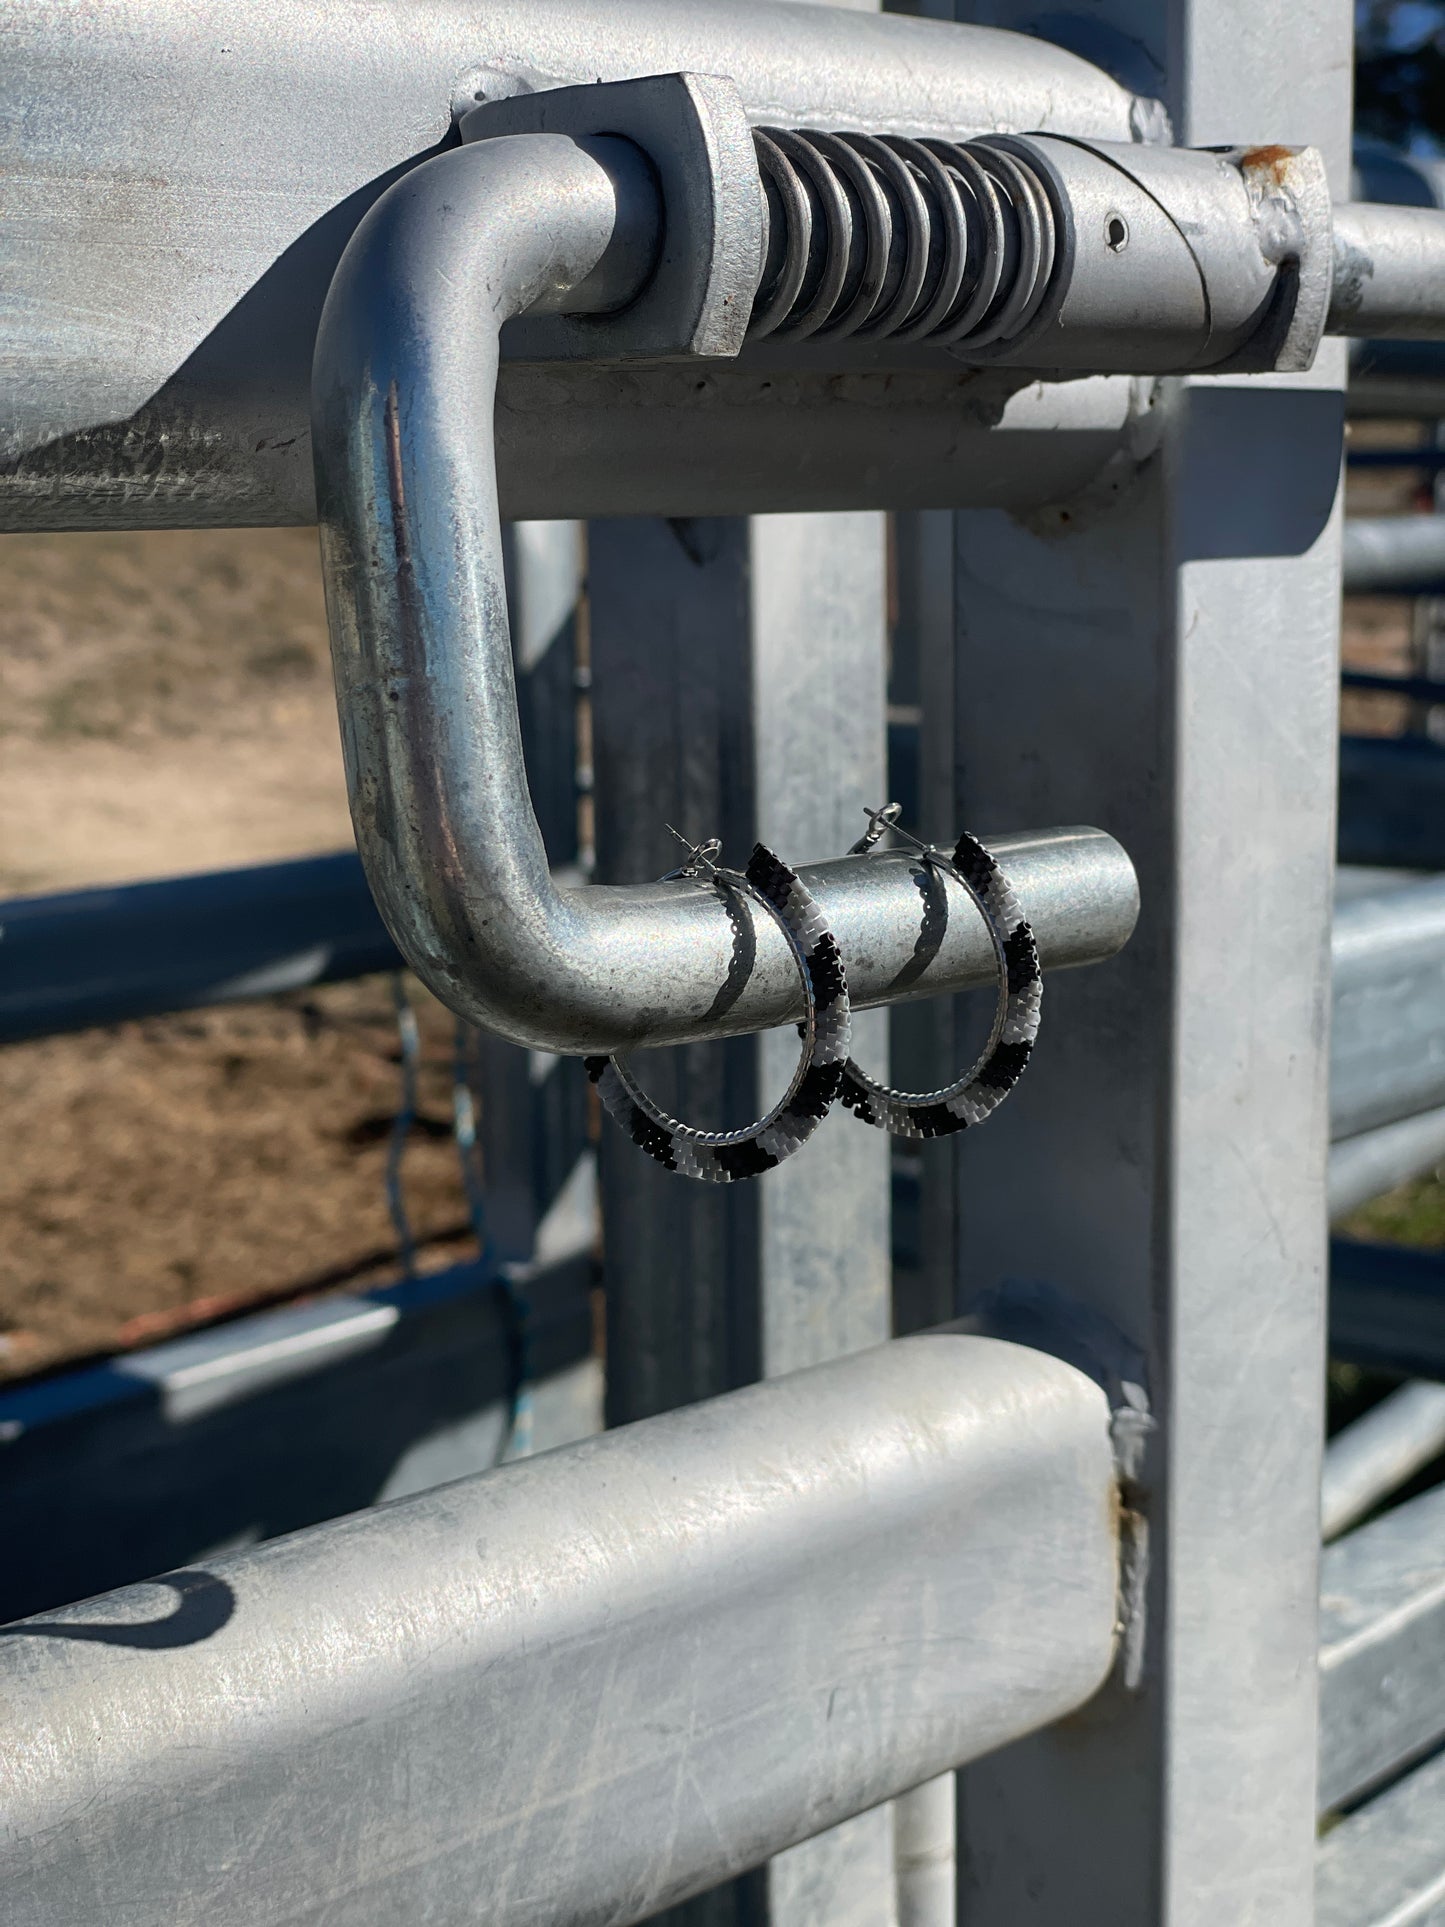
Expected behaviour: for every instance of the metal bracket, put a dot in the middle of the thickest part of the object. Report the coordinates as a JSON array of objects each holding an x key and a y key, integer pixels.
[{"x": 694, "y": 131}]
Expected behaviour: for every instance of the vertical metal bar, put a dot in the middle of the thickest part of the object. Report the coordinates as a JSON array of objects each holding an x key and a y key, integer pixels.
[
  {"x": 738, "y": 690},
  {"x": 925, "y": 1820},
  {"x": 924, "y": 1842},
  {"x": 532, "y": 1126},
  {"x": 672, "y": 743},
  {"x": 1162, "y": 660},
  {"x": 925, "y": 1036}
]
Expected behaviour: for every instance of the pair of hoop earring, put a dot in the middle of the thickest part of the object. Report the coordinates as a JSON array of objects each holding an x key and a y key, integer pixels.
[{"x": 826, "y": 1072}]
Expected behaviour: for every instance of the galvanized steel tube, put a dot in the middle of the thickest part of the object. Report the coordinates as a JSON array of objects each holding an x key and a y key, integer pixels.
[
  {"x": 1389, "y": 272},
  {"x": 1404, "y": 554},
  {"x": 1387, "y": 1053},
  {"x": 404, "y": 389},
  {"x": 1372, "y": 1162},
  {"x": 584, "y": 1686},
  {"x": 1375, "y": 1455}
]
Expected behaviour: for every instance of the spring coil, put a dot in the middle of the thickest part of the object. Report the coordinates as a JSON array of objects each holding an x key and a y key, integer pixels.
[{"x": 948, "y": 242}]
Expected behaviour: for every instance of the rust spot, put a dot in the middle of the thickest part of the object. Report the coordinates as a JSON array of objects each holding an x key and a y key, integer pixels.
[{"x": 1272, "y": 162}]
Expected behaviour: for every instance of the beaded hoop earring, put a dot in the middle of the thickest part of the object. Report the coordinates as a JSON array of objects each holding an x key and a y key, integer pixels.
[
  {"x": 723, "y": 1157},
  {"x": 979, "y": 1092}
]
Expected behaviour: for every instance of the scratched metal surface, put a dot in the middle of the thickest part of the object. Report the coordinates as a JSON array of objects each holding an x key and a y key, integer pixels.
[
  {"x": 585, "y": 1685},
  {"x": 181, "y": 181}
]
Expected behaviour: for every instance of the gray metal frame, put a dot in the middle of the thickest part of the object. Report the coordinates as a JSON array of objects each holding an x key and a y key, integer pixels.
[
  {"x": 1165, "y": 1158},
  {"x": 597, "y": 1684},
  {"x": 761, "y": 715},
  {"x": 1381, "y": 1866},
  {"x": 1382, "y": 1622}
]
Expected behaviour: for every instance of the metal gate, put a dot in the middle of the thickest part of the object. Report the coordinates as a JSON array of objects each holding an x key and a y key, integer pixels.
[{"x": 733, "y": 284}]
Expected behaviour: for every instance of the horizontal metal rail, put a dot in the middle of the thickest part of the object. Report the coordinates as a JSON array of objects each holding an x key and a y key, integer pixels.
[
  {"x": 1424, "y": 455},
  {"x": 185, "y": 402},
  {"x": 1375, "y": 1455},
  {"x": 1382, "y": 1631},
  {"x": 1387, "y": 1308},
  {"x": 1397, "y": 379},
  {"x": 1389, "y": 272},
  {"x": 590, "y": 1684},
  {"x": 101, "y": 956},
  {"x": 114, "y": 1471},
  {"x": 86, "y": 957},
  {"x": 1373, "y": 1162},
  {"x": 1416, "y": 689},
  {"x": 1400, "y": 554},
  {"x": 1384, "y": 1866},
  {"x": 1387, "y": 1053},
  {"x": 1392, "y": 802}
]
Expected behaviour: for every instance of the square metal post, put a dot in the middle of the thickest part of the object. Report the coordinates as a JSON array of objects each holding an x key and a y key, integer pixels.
[
  {"x": 1161, "y": 659},
  {"x": 738, "y": 672}
]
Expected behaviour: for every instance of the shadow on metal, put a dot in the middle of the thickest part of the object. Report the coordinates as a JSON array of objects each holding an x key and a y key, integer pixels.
[{"x": 204, "y": 1604}]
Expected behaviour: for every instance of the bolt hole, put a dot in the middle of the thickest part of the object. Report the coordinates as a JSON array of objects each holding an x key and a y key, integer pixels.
[{"x": 1116, "y": 234}]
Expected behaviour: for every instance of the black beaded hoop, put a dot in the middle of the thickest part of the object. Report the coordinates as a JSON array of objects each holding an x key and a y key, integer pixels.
[
  {"x": 722, "y": 1157},
  {"x": 980, "y": 1091}
]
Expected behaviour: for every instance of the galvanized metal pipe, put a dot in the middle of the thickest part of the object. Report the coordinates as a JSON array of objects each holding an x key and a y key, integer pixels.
[
  {"x": 1392, "y": 802},
  {"x": 1382, "y": 1621},
  {"x": 1375, "y": 1455},
  {"x": 1389, "y": 272},
  {"x": 1387, "y": 1052},
  {"x": 1397, "y": 378},
  {"x": 1373, "y": 1162},
  {"x": 926, "y": 1854},
  {"x": 1403, "y": 554},
  {"x": 588, "y": 1685},
  {"x": 1387, "y": 1308},
  {"x": 404, "y": 385},
  {"x": 1381, "y": 1866}
]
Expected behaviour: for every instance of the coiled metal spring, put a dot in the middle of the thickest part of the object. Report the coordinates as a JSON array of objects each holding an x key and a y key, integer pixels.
[{"x": 948, "y": 242}]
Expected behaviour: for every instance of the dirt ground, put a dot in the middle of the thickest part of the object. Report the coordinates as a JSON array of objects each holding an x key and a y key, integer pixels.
[{"x": 165, "y": 706}]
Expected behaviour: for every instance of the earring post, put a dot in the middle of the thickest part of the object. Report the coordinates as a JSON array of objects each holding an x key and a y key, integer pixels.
[
  {"x": 700, "y": 856},
  {"x": 880, "y": 822}
]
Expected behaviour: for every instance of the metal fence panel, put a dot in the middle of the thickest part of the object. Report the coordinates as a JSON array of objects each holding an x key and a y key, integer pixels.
[
  {"x": 1387, "y": 1050},
  {"x": 1382, "y": 1625},
  {"x": 1384, "y": 1866},
  {"x": 738, "y": 691}
]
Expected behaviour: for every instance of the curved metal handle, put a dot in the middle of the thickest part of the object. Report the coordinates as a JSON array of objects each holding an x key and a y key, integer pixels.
[{"x": 403, "y": 394}]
